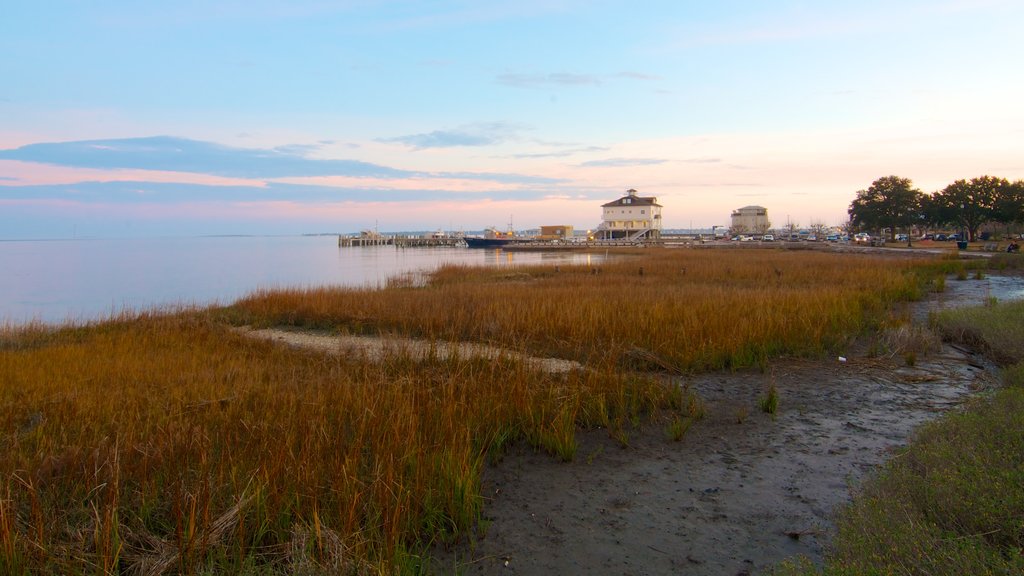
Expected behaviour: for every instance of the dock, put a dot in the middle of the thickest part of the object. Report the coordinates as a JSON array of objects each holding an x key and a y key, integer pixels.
[{"x": 398, "y": 241}]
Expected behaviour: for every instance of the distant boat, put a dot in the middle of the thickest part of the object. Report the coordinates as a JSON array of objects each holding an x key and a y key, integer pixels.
[{"x": 494, "y": 238}]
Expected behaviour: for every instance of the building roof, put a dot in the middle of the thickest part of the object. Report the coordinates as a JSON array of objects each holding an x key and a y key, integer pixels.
[{"x": 631, "y": 199}]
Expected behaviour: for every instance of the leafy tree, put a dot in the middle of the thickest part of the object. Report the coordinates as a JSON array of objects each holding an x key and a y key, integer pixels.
[
  {"x": 971, "y": 203},
  {"x": 932, "y": 215},
  {"x": 1008, "y": 207},
  {"x": 890, "y": 202}
]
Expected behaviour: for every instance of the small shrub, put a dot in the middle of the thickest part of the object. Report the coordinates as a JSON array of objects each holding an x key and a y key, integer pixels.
[
  {"x": 678, "y": 427},
  {"x": 876, "y": 349},
  {"x": 910, "y": 340},
  {"x": 1014, "y": 375},
  {"x": 769, "y": 403},
  {"x": 741, "y": 414}
]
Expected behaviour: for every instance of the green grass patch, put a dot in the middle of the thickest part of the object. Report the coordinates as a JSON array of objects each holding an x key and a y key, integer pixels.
[
  {"x": 1003, "y": 261},
  {"x": 996, "y": 329}
]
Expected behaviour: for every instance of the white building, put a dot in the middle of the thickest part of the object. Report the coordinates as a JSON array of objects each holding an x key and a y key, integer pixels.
[
  {"x": 750, "y": 220},
  {"x": 631, "y": 218}
]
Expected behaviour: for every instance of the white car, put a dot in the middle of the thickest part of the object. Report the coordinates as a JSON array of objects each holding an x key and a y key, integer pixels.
[{"x": 862, "y": 238}]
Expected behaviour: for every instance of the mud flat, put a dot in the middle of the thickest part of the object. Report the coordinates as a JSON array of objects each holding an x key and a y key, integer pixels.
[{"x": 743, "y": 490}]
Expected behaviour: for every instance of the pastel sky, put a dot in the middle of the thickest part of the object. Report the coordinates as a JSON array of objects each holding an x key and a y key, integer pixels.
[{"x": 124, "y": 118}]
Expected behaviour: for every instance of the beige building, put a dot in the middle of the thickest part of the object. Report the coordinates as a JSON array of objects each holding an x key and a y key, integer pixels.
[
  {"x": 631, "y": 217},
  {"x": 561, "y": 232},
  {"x": 750, "y": 220}
]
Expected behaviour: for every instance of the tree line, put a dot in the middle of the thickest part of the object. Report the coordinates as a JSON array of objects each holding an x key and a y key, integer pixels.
[{"x": 893, "y": 202}]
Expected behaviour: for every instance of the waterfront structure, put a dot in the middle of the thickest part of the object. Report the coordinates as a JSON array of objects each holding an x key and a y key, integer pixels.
[
  {"x": 631, "y": 218},
  {"x": 750, "y": 220},
  {"x": 561, "y": 232}
]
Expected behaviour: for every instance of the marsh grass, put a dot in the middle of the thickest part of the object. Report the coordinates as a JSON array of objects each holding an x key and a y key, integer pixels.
[
  {"x": 731, "y": 310},
  {"x": 678, "y": 427},
  {"x": 996, "y": 328},
  {"x": 173, "y": 439},
  {"x": 908, "y": 340},
  {"x": 1003, "y": 261},
  {"x": 769, "y": 402},
  {"x": 169, "y": 443}
]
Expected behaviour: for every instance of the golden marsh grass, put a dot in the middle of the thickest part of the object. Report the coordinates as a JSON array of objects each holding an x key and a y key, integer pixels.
[
  {"x": 168, "y": 443},
  {"x": 692, "y": 310}
]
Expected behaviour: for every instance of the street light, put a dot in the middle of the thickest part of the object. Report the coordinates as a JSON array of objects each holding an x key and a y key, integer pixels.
[{"x": 962, "y": 222}]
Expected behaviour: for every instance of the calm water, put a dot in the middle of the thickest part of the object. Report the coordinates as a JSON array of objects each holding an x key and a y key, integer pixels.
[{"x": 82, "y": 280}]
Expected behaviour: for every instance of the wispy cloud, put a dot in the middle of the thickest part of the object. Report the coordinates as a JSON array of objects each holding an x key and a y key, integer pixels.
[
  {"x": 559, "y": 153},
  {"x": 484, "y": 134},
  {"x": 165, "y": 156},
  {"x": 622, "y": 162},
  {"x": 298, "y": 149},
  {"x": 553, "y": 79},
  {"x": 168, "y": 194},
  {"x": 542, "y": 80},
  {"x": 637, "y": 76},
  {"x": 167, "y": 153}
]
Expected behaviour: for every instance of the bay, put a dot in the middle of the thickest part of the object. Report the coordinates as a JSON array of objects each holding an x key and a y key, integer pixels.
[{"x": 79, "y": 281}]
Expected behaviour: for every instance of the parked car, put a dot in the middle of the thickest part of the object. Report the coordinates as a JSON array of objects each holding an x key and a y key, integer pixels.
[
  {"x": 832, "y": 238},
  {"x": 862, "y": 238},
  {"x": 768, "y": 238}
]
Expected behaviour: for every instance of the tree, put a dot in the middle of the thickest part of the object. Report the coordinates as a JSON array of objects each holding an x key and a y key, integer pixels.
[
  {"x": 819, "y": 229},
  {"x": 738, "y": 230},
  {"x": 890, "y": 202},
  {"x": 932, "y": 215},
  {"x": 1008, "y": 207},
  {"x": 971, "y": 203}
]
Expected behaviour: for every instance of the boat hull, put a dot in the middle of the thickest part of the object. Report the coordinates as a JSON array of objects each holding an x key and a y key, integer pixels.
[{"x": 474, "y": 242}]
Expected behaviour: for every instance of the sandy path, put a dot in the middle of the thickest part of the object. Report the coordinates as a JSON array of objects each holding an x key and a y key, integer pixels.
[{"x": 378, "y": 348}]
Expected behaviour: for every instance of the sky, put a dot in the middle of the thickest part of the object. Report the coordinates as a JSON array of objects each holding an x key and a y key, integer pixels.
[{"x": 192, "y": 117}]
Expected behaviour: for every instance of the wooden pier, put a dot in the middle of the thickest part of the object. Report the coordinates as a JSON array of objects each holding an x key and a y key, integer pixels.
[{"x": 398, "y": 241}]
